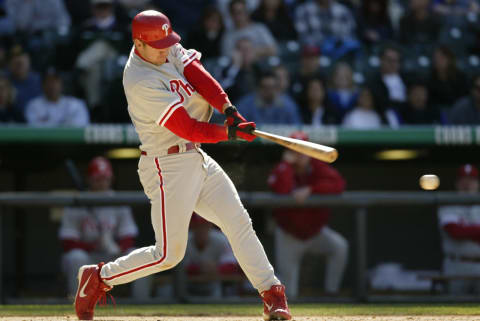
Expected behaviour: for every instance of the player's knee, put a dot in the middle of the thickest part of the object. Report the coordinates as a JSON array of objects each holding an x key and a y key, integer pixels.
[
  {"x": 342, "y": 247},
  {"x": 173, "y": 256}
]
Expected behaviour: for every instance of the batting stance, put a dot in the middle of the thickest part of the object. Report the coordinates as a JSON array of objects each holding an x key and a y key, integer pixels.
[{"x": 169, "y": 97}]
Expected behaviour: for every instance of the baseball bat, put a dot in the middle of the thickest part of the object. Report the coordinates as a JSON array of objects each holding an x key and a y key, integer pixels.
[
  {"x": 321, "y": 152},
  {"x": 75, "y": 175}
]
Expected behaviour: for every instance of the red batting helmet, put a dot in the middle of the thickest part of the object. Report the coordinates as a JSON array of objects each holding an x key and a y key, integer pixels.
[
  {"x": 154, "y": 28},
  {"x": 467, "y": 170},
  {"x": 100, "y": 167}
]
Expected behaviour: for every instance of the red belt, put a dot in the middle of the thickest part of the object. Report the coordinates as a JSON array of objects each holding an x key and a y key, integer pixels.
[{"x": 175, "y": 149}]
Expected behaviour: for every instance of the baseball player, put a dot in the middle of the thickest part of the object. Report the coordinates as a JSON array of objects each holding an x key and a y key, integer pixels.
[
  {"x": 90, "y": 234},
  {"x": 460, "y": 232},
  {"x": 169, "y": 97},
  {"x": 305, "y": 230}
]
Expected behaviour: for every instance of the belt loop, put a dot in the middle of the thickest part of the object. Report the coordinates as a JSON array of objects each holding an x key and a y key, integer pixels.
[{"x": 182, "y": 148}]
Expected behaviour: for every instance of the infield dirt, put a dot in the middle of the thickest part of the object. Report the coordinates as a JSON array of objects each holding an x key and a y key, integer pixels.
[{"x": 230, "y": 318}]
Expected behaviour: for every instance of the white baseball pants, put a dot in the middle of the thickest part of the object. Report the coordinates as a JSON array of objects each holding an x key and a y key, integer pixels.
[
  {"x": 177, "y": 185},
  {"x": 290, "y": 250},
  {"x": 74, "y": 259}
]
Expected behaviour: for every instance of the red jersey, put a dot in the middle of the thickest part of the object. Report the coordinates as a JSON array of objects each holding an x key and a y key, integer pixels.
[{"x": 304, "y": 223}]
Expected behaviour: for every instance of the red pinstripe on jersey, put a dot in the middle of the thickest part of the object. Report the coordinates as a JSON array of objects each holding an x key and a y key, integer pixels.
[{"x": 164, "y": 232}]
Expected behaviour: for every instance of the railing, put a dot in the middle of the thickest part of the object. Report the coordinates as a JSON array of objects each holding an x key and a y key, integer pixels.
[
  {"x": 333, "y": 135},
  {"x": 359, "y": 200}
]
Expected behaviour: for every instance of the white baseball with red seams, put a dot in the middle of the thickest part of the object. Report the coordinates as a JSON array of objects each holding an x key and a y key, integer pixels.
[{"x": 178, "y": 184}]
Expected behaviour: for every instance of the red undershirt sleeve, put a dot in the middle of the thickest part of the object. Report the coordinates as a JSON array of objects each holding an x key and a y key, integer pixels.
[
  {"x": 126, "y": 243},
  {"x": 70, "y": 244},
  {"x": 205, "y": 85},
  {"x": 181, "y": 124},
  {"x": 463, "y": 232}
]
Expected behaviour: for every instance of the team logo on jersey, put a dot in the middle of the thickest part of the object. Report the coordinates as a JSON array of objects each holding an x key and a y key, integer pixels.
[
  {"x": 178, "y": 86},
  {"x": 165, "y": 28}
]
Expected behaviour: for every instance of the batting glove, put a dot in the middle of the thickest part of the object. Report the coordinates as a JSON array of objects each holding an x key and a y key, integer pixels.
[
  {"x": 233, "y": 116},
  {"x": 242, "y": 130}
]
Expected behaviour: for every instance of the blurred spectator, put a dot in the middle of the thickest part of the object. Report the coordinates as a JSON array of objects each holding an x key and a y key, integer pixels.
[
  {"x": 342, "y": 94},
  {"x": 327, "y": 24},
  {"x": 7, "y": 26},
  {"x": 238, "y": 78},
  {"x": 456, "y": 7},
  {"x": 364, "y": 115},
  {"x": 419, "y": 25},
  {"x": 53, "y": 109},
  {"x": 36, "y": 16},
  {"x": 27, "y": 82},
  {"x": 208, "y": 256},
  {"x": 315, "y": 110},
  {"x": 460, "y": 233},
  {"x": 418, "y": 110},
  {"x": 267, "y": 105},
  {"x": 184, "y": 13},
  {"x": 283, "y": 77},
  {"x": 206, "y": 37},
  {"x": 98, "y": 41},
  {"x": 446, "y": 83},
  {"x": 374, "y": 22},
  {"x": 263, "y": 41},
  {"x": 274, "y": 15},
  {"x": 309, "y": 67},
  {"x": 133, "y": 7},
  {"x": 79, "y": 11},
  {"x": 389, "y": 85},
  {"x": 466, "y": 110},
  {"x": 304, "y": 230},
  {"x": 9, "y": 113},
  {"x": 100, "y": 233},
  {"x": 223, "y": 6}
]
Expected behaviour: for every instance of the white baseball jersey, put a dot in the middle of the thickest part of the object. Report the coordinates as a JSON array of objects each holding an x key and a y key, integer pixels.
[
  {"x": 88, "y": 224},
  {"x": 155, "y": 92},
  {"x": 469, "y": 215}
]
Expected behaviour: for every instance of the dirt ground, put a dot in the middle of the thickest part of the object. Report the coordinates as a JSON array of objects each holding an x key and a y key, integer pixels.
[{"x": 310, "y": 318}]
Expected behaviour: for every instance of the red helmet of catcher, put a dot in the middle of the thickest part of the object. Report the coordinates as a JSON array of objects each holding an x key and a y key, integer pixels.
[{"x": 154, "y": 28}]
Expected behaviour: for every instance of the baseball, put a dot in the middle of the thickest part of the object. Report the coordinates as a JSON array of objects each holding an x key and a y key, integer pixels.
[{"x": 429, "y": 182}]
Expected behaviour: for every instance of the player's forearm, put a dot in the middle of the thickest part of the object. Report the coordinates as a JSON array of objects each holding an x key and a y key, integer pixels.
[
  {"x": 181, "y": 124},
  {"x": 206, "y": 85}
]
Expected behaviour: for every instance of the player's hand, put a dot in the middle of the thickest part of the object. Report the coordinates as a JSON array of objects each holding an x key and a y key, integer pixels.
[
  {"x": 242, "y": 130},
  {"x": 233, "y": 116},
  {"x": 301, "y": 194}
]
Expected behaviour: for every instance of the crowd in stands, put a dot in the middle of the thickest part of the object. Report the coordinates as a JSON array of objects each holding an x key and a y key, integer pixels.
[{"x": 359, "y": 64}]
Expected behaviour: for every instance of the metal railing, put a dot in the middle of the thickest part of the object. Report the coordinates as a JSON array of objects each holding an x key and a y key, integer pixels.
[{"x": 358, "y": 200}]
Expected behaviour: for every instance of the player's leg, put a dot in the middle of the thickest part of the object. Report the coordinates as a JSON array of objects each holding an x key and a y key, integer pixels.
[
  {"x": 456, "y": 267},
  {"x": 335, "y": 247},
  {"x": 71, "y": 262},
  {"x": 219, "y": 203},
  {"x": 288, "y": 255},
  {"x": 173, "y": 184}
]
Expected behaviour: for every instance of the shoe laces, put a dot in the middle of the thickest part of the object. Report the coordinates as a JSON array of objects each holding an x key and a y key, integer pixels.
[{"x": 102, "y": 300}]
